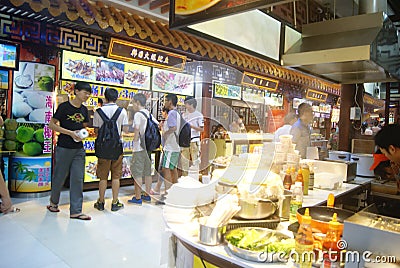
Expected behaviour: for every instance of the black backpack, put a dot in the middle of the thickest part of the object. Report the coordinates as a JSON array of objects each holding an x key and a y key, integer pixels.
[
  {"x": 108, "y": 144},
  {"x": 185, "y": 133},
  {"x": 151, "y": 139}
]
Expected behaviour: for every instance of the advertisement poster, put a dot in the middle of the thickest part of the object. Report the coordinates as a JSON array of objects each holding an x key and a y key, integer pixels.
[
  {"x": 6, "y": 159},
  {"x": 91, "y": 167},
  {"x": 253, "y": 95},
  {"x": 77, "y": 66},
  {"x": 137, "y": 76},
  {"x": 67, "y": 87},
  {"x": 227, "y": 91},
  {"x": 3, "y": 79},
  {"x": 8, "y": 55},
  {"x": 171, "y": 82},
  {"x": 274, "y": 99},
  {"x": 187, "y": 12},
  {"x": 127, "y": 143},
  {"x": 30, "y": 174},
  {"x": 32, "y": 108}
]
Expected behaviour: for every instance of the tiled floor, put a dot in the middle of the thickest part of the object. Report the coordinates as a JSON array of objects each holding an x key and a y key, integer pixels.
[{"x": 34, "y": 237}]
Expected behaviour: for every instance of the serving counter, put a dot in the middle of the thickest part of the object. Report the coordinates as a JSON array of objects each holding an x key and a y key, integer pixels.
[{"x": 220, "y": 256}]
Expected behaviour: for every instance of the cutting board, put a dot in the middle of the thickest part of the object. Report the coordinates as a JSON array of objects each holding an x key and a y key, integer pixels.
[{"x": 359, "y": 146}]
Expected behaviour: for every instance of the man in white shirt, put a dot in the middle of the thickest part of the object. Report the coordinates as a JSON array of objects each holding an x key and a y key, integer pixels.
[
  {"x": 171, "y": 147},
  {"x": 196, "y": 122},
  {"x": 104, "y": 166},
  {"x": 141, "y": 158},
  {"x": 288, "y": 121}
]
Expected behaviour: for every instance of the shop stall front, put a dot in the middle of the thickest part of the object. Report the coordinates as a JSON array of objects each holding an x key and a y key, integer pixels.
[{"x": 128, "y": 79}]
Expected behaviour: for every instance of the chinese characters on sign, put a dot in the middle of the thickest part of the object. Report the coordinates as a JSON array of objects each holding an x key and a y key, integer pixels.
[
  {"x": 266, "y": 83},
  {"x": 135, "y": 53},
  {"x": 316, "y": 95},
  {"x": 373, "y": 101},
  {"x": 47, "y": 132}
]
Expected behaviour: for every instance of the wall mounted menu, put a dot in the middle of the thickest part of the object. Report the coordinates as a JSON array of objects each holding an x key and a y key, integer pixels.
[
  {"x": 99, "y": 70},
  {"x": 172, "y": 82},
  {"x": 253, "y": 95},
  {"x": 227, "y": 91}
]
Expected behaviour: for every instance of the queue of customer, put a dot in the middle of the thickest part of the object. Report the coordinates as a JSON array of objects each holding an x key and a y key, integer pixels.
[{"x": 111, "y": 121}]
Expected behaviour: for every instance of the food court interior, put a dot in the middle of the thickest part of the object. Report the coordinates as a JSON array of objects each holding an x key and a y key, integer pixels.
[{"x": 249, "y": 63}]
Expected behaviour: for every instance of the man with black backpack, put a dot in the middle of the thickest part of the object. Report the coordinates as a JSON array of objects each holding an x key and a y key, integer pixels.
[
  {"x": 108, "y": 123},
  {"x": 146, "y": 139}
]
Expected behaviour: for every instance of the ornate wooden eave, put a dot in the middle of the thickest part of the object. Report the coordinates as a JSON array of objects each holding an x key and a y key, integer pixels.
[{"x": 134, "y": 26}]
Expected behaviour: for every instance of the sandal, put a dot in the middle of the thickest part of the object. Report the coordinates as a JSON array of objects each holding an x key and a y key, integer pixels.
[
  {"x": 12, "y": 210},
  {"x": 81, "y": 216},
  {"x": 53, "y": 208}
]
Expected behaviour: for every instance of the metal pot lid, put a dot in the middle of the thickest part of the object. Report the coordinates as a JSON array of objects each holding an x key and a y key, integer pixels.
[
  {"x": 362, "y": 155},
  {"x": 339, "y": 152}
]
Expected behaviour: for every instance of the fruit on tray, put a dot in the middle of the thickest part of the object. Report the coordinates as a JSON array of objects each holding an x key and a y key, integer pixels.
[
  {"x": 32, "y": 148},
  {"x": 24, "y": 134},
  {"x": 10, "y": 124}
]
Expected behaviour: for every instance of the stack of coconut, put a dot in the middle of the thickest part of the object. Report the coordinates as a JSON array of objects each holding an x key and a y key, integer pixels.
[{"x": 10, "y": 134}]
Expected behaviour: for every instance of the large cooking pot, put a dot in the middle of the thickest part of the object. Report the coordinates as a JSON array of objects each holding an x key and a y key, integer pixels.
[
  {"x": 364, "y": 162},
  {"x": 255, "y": 209},
  {"x": 321, "y": 216},
  {"x": 339, "y": 155}
]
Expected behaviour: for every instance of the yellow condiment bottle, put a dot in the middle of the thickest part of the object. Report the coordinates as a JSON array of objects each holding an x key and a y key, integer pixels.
[
  {"x": 304, "y": 243},
  {"x": 306, "y": 178}
]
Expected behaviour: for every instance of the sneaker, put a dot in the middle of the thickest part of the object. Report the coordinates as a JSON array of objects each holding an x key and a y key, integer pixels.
[
  {"x": 117, "y": 206},
  {"x": 135, "y": 201},
  {"x": 146, "y": 198},
  {"x": 99, "y": 205}
]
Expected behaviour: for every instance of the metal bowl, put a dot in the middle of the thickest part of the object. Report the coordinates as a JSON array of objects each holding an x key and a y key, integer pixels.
[
  {"x": 256, "y": 256},
  {"x": 256, "y": 209}
]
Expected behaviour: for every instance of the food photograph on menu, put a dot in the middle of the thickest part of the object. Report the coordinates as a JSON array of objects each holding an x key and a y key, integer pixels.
[
  {"x": 78, "y": 66},
  {"x": 192, "y": 11},
  {"x": 137, "y": 76},
  {"x": 110, "y": 72},
  {"x": 172, "y": 82}
]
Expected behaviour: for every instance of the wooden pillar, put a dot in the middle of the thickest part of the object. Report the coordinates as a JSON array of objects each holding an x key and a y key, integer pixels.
[
  {"x": 347, "y": 126},
  {"x": 205, "y": 136}
]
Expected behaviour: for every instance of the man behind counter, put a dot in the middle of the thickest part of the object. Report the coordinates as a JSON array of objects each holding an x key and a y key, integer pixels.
[{"x": 301, "y": 130}]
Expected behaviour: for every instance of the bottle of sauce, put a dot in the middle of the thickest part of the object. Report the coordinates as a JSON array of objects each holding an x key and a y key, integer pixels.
[
  {"x": 306, "y": 178},
  {"x": 304, "y": 243},
  {"x": 331, "y": 257},
  {"x": 287, "y": 180},
  {"x": 293, "y": 174},
  {"x": 311, "y": 179},
  {"x": 299, "y": 178},
  {"x": 296, "y": 202}
]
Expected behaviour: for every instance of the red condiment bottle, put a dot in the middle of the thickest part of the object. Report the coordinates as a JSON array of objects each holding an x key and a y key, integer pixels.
[{"x": 287, "y": 180}]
